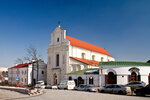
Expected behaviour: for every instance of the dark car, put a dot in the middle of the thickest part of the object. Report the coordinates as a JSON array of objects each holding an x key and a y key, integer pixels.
[
  {"x": 81, "y": 87},
  {"x": 143, "y": 91},
  {"x": 136, "y": 84},
  {"x": 91, "y": 89}
]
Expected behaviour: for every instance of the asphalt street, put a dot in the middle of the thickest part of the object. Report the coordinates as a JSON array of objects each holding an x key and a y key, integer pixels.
[{"x": 66, "y": 95}]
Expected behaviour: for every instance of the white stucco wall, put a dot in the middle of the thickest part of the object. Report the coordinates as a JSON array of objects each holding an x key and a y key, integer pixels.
[
  {"x": 77, "y": 52},
  {"x": 86, "y": 78},
  {"x": 122, "y": 72},
  {"x": 25, "y": 74}
]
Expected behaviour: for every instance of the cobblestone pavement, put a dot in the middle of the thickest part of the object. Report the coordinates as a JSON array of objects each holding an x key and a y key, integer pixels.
[{"x": 67, "y": 95}]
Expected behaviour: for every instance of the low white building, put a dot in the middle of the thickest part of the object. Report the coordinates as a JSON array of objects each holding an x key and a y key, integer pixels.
[
  {"x": 112, "y": 73},
  {"x": 124, "y": 72},
  {"x": 22, "y": 74}
]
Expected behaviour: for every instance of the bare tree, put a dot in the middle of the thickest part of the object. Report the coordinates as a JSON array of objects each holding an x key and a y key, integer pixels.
[
  {"x": 32, "y": 54},
  {"x": 19, "y": 61}
]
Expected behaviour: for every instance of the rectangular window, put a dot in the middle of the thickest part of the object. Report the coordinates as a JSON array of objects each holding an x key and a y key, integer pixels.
[
  {"x": 57, "y": 60},
  {"x": 83, "y": 55},
  {"x": 42, "y": 72}
]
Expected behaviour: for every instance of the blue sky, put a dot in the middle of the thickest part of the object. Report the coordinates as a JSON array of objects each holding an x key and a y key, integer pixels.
[{"x": 120, "y": 26}]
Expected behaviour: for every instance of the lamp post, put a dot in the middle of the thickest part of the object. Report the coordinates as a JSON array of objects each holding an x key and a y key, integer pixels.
[
  {"x": 32, "y": 81},
  {"x": 100, "y": 72}
]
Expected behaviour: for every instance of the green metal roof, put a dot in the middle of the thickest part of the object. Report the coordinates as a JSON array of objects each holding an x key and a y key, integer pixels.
[
  {"x": 81, "y": 72},
  {"x": 124, "y": 63}
]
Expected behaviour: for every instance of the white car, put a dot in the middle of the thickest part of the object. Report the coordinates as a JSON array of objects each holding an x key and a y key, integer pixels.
[
  {"x": 40, "y": 82},
  {"x": 51, "y": 86},
  {"x": 40, "y": 86},
  {"x": 67, "y": 84}
]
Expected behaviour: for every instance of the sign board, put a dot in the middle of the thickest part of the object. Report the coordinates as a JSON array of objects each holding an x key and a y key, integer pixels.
[
  {"x": 17, "y": 78},
  {"x": 134, "y": 69}
]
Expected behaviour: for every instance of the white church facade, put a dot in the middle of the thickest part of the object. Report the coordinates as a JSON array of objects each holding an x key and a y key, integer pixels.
[{"x": 67, "y": 54}]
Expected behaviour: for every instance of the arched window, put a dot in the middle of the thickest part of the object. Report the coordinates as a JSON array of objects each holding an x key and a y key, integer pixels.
[
  {"x": 57, "y": 60},
  {"x": 42, "y": 72},
  {"x": 102, "y": 59},
  {"x": 83, "y": 55},
  {"x": 57, "y": 39},
  {"x": 90, "y": 80},
  {"x": 93, "y": 57}
]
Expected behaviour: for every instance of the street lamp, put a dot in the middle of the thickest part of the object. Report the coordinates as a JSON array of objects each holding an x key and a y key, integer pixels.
[{"x": 32, "y": 81}]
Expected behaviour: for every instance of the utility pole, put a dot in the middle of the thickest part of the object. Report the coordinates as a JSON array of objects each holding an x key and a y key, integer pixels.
[{"x": 32, "y": 81}]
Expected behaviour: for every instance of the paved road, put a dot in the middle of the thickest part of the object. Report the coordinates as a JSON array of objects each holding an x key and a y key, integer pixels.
[
  {"x": 8, "y": 95},
  {"x": 69, "y": 95}
]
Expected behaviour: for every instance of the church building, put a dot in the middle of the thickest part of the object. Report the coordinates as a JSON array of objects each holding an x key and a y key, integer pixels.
[{"x": 67, "y": 54}]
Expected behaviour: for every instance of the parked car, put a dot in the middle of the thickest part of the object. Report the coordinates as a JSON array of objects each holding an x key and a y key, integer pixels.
[
  {"x": 40, "y": 82},
  {"x": 81, "y": 87},
  {"x": 40, "y": 86},
  {"x": 143, "y": 91},
  {"x": 67, "y": 84},
  {"x": 119, "y": 89},
  {"x": 51, "y": 86},
  {"x": 91, "y": 89},
  {"x": 136, "y": 84}
]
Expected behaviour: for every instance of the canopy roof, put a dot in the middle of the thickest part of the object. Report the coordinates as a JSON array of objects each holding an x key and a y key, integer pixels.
[
  {"x": 122, "y": 63},
  {"x": 81, "y": 72}
]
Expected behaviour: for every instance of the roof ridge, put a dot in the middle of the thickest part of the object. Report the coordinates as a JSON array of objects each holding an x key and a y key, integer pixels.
[
  {"x": 86, "y": 61},
  {"x": 128, "y": 63},
  {"x": 86, "y": 45},
  {"x": 21, "y": 65}
]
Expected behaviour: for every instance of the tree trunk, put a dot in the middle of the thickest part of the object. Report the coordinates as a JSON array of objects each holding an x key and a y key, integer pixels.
[{"x": 37, "y": 62}]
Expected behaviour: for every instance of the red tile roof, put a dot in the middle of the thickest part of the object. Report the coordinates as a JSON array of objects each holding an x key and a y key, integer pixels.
[
  {"x": 85, "y": 45},
  {"x": 86, "y": 61},
  {"x": 21, "y": 65}
]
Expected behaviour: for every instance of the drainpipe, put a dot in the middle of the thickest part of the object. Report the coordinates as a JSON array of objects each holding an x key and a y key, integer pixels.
[{"x": 86, "y": 78}]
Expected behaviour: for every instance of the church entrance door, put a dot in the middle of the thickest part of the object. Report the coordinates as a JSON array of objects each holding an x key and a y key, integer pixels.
[
  {"x": 111, "y": 78},
  {"x": 80, "y": 80},
  {"x": 55, "y": 78},
  {"x": 149, "y": 78},
  {"x": 133, "y": 77}
]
